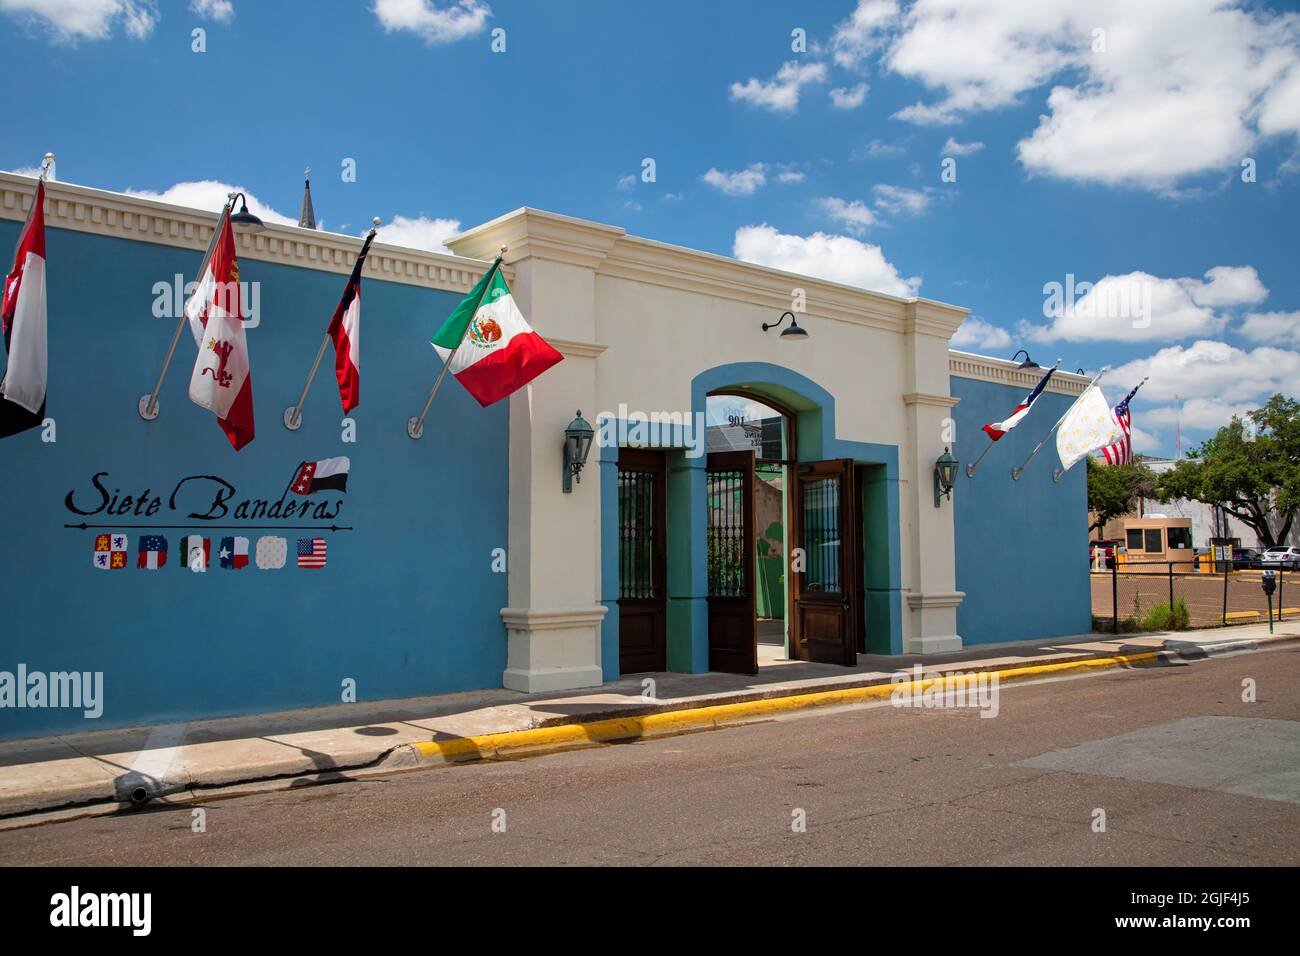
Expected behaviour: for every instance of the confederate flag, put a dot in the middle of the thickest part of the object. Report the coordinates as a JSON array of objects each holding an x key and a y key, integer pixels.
[
  {"x": 345, "y": 332},
  {"x": 22, "y": 318},
  {"x": 221, "y": 381}
]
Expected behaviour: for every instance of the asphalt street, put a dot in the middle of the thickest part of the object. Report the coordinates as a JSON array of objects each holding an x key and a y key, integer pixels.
[{"x": 1181, "y": 769}]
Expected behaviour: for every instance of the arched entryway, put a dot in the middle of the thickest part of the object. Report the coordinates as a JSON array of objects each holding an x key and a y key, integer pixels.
[
  {"x": 867, "y": 480},
  {"x": 820, "y": 524}
]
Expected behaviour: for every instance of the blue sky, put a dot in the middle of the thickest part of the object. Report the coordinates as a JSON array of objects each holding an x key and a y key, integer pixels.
[{"x": 1113, "y": 157}]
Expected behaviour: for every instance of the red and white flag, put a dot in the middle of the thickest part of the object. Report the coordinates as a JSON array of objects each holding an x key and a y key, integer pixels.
[
  {"x": 221, "y": 381},
  {"x": 345, "y": 332},
  {"x": 1121, "y": 452},
  {"x": 22, "y": 318}
]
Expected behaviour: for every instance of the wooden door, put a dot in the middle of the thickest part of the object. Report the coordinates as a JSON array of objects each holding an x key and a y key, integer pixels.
[
  {"x": 733, "y": 628},
  {"x": 642, "y": 562},
  {"x": 827, "y": 595}
]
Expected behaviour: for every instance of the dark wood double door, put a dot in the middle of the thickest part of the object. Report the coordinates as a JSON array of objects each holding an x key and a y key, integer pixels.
[
  {"x": 824, "y": 596},
  {"x": 825, "y": 582}
]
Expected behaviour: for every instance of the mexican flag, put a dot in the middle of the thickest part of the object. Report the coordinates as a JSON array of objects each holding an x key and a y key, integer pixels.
[{"x": 495, "y": 350}]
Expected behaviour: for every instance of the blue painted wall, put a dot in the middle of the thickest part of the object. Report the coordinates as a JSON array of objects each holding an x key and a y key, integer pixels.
[
  {"x": 1022, "y": 554},
  {"x": 407, "y": 604}
]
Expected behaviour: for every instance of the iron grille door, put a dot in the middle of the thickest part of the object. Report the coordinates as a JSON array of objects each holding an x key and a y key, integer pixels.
[
  {"x": 642, "y": 565},
  {"x": 733, "y": 635}
]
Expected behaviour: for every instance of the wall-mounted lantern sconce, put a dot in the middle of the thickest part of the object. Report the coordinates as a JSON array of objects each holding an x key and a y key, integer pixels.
[
  {"x": 244, "y": 219},
  {"x": 795, "y": 333},
  {"x": 945, "y": 473},
  {"x": 1028, "y": 362},
  {"x": 577, "y": 443}
]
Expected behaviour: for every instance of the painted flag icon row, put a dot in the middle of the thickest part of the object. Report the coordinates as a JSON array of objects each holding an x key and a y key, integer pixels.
[{"x": 270, "y": 553}]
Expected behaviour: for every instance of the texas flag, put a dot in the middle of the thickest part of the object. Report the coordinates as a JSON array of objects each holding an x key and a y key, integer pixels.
[
  {"x": 221, "y": 381},
  {"x": 234, "y": 553},
  {"x": 22, "y": 318},
  {"x": 996, "y": 430},
  {"x": 345, "y": 333}
]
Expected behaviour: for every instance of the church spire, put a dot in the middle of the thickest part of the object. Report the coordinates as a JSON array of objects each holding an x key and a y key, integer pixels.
[{"x": 307, "y": 218}]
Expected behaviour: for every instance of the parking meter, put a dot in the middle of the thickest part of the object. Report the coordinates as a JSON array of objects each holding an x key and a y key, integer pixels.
[{"x": 1268, "y": 581}]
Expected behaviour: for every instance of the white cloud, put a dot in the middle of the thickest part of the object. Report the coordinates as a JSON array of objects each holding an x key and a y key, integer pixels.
[
  {"x": 1144, "y": 441},
  {"x": 835, "y": 258},
  {"x": 72, "y": 20},
  {"x": 210, "y": 194},
  {"x": 1276, "y": 327},
  {"x": 781, "y": 93},
  {"x": 432, "y": 23},
  {"x": 862, "y": 33},
  {"x": 1181, "y": 88},
  {"x": 879, "y": 149},
  {"x": 954, "y": 148},
  {"x": 899, "y": 200},
  {"x": 419, "y": 233},
  {"x": 1202, "y": 414},
  {"x": 1216, "y": 370},
  {"x": 26, "y": 171},
  {"x": 849, "y": 97},
  {"x": 1226, "y": 286},
  {"x": 1141, "y": 307},
  {"x": 626, "y": 182},
  {"x": 223, "y": 11},
  {"x": 975, "y": 333},
  {"x": 855, "y": 216},
  {"x": 791, "y": 176},
  {"x": 744, "y": 182}
]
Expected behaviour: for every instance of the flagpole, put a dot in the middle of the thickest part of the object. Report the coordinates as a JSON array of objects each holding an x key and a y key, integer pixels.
[
  {"x": 970, "y": 469},
  {"x": 293, "y": 416},
  {"x": 1017, "y": 472},
  {"x": 415, "y": 426},
  {"x": 148, "y": 405}
]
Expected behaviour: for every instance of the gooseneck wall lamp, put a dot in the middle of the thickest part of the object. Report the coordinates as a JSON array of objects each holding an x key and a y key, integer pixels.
[
  {"x": 243, "y": 219},
  {"x": 945, "y": 473},
  {"x": 1028, "y": 362},
  {"x": 577, "y": 444},
  {"x": 795, "y": 333}
]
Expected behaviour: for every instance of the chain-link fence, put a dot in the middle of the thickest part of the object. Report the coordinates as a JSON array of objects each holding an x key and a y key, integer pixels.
[{"x": 1174, "y": 595}]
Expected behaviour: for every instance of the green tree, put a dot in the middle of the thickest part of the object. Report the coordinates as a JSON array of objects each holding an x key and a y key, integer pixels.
[
  {"x": 1251, "y": 468},
  {"x": 1114, "y": 490}
]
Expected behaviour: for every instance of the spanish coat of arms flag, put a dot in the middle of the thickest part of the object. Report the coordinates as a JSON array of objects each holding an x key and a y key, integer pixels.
[
  {"x": 110, "y": 552},
  {"x": 22, "y": 317},
  {"x": 495, "y": 351},
  {"x": 221, "y": 381}
]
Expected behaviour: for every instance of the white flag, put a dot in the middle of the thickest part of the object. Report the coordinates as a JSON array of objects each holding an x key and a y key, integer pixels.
[{"x": 1087, "y": 426}]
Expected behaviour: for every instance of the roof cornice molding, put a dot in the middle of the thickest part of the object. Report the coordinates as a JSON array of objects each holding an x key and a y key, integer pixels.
[
  {"x": 537, "y": 234},
  {"x": 676, "y": 267},
  {"x": 985, "y": 368},
  {"x": 117, "y": 215}
]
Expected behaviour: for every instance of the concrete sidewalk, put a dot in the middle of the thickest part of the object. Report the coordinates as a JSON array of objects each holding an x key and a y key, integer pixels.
[{"x": 102, "y": 769}]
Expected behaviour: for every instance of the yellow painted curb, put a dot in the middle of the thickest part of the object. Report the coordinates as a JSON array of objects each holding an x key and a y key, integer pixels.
[
  {"x": 514, "y": 743},
  {"x": 1240, "y": 615}
]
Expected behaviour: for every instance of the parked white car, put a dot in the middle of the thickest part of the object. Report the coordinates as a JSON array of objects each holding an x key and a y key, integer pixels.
[{"x": 1281, "y": 557}]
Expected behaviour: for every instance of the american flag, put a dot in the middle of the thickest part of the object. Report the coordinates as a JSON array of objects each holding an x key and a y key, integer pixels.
[
  {"x": 311, "y": 552},
  {"x": 1121, "y": 453}
]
